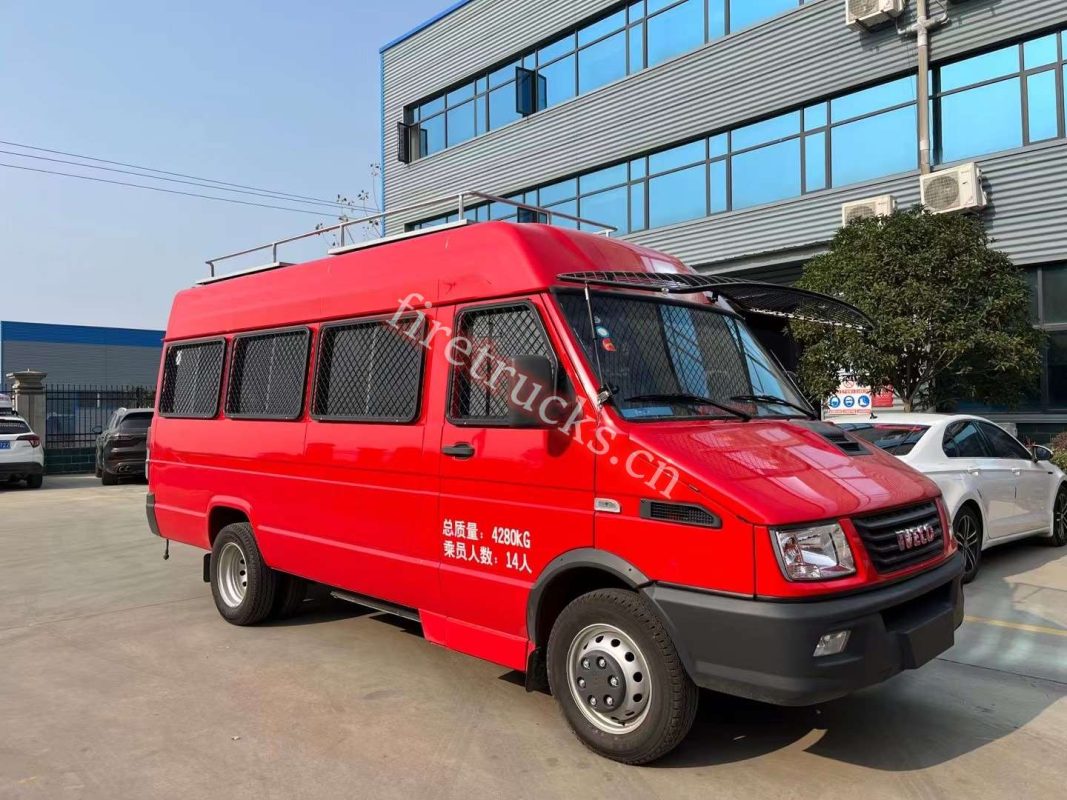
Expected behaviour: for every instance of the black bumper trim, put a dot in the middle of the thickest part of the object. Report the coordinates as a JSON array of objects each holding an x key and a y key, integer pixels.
[
  {"x": 150, "y": 510},
  {"x": 765, "y": 651},
  {"x": 21, "y": 468}
]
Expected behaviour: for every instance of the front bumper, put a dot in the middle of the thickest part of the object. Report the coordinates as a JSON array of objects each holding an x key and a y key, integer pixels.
[
  {"x": 11, "y": 468},
  {"x": 764, "y": 649}
]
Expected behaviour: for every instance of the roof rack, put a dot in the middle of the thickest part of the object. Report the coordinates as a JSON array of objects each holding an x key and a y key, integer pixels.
[
  {"x": 755, "y": 297},
  {"x": 461, "y": 202}
]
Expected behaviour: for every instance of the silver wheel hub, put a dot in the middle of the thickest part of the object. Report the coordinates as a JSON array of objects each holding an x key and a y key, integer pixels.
[
  {"x": 1060, "y": 516},
  {"x": 232, "y": 574},
  {"x": 966, "y": 531},
  {"x": 609, "y": 678}
]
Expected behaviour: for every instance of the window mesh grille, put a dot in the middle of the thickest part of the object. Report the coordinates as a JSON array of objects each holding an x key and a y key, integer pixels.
[
  {"x": 498, "y": 336},
  {"x": 370, "y": 371},
  {"x": 267, "y": 375},
  {"x": 191, "y": 377}
]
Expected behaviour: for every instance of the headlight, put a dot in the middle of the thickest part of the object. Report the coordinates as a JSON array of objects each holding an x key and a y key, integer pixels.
[{"x": 818, "y": 553}]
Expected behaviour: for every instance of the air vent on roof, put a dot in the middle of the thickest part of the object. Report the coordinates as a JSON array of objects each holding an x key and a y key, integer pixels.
[
  {"x": 956, "y": 189},
  {"x": 864, "y": 14},
  {"x": 681, "y": 513},
  {"x": 881, "y": 206}
]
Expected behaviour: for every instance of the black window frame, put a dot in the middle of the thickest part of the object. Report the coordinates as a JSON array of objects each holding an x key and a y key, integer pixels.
[
  {"x": 231, "y": 364},
  {"x": 493, "y": 422},
  {"x": 991, "y": 446},
  {"x": 363, "y": 420},
  {"x": 223, "y": 376}
]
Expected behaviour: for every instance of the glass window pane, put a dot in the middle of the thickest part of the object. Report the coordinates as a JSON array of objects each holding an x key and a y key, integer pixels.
[
  {"x": 570, "y": 207},
  {"x": 637, "y": 207},
  {"x": 716, "y": 18},
  {"x": 564, "y": 190},
  {"x": 432, "y": 138},
  {"x": 457, "y": 96},
  {"x": 815, "y": 162},
  {"x": 461, "y": 123},
  {"x": 431, "y": 107},
  {"x": 638, "y": 169},
  {"x": 1041, "y": 102},
  {"x": 636, "y": 11},
  {"x": 481, "y": 85},
  {"x": 502, "y": 75},
  {"x": 610, "y": 207},
  {"x": 874, "y": 147},
  {"x": 559, "y": 80},
  {"x": 550, "y": 52},
  {"x": 676, "y": 157},
  {"x": 1057, "y": 369},
  {"x": 766, "y": 131},
  {"x": 602, "y": 63},
  {"x": 815, "y": 117},
  {"x": 481, "y": 115},
  {"x": 967, "y": 127},
  {"x": 1032, "y": 276},
  {"x": 719, "y": 200},
  {"x": 602, "y": 178},
  {"x": 590, "y": 33},
  {"x": 980, "y": 68},
  {"x": 1039, "y": 52},
  {"x": 747, "y": 12},
  {"x": 677, "y": 196},
  {"x": 676, "y": 31},
  {"x": 765, "y": 175},
  {"x": 637, "y": 48},
  {"x": 502, "y": 106},
  {"x": 659, "y": 5},
  {"x": 1054, "y": 289},
  {"x": 719, "y": 144},
  {"x": 874, "y": 99}
]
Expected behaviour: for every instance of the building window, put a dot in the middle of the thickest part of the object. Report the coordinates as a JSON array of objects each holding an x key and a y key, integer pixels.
[{"x": 1023, "y": 82}]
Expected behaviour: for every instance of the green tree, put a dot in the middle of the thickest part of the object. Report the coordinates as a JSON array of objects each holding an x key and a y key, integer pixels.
[{"x": 951, "y": 314}]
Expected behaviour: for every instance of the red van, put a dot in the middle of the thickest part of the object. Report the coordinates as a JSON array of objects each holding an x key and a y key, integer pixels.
[{"x": 563, "y": 453}]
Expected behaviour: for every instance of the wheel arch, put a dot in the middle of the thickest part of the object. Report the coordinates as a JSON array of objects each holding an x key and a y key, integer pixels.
[{"x": 225, "y": 511}]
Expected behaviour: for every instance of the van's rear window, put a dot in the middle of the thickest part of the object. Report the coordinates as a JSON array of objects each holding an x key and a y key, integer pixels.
[
  {"x": 370, "y": 372},
  {"x": 267, "y": 375},
  {"x": 896, "y": 438},
  {"x": 192, "y": 375},
  {"x": 9, "y": 426}
]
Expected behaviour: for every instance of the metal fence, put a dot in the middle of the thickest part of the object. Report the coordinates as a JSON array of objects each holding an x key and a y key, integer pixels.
[{"x": 74, "y": 414}]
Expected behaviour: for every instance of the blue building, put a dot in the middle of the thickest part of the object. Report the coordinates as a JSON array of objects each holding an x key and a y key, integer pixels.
[{"x": 81, "y": 354}]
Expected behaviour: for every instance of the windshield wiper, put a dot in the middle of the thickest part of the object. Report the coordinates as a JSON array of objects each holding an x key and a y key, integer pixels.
[
  {"x": 683, "y": 397},
  {"x": 778, "y": 401}
]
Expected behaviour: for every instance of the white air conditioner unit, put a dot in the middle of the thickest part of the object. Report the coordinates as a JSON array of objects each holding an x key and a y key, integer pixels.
[
  {"x": 881, "y": 206},
  {"x": 956, "y": 189},
  {"x": 864, "y": 14}
]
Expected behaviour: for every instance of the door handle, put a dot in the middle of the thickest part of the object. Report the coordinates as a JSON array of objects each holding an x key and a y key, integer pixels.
[
  {"x": 460, "y": 450},
  {"x": 1016, "y": 472},
  {"x": 975, "y": 471}
]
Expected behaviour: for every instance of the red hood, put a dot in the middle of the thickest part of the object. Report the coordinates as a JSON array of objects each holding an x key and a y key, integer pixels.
[{"x": 783, "y": 472}]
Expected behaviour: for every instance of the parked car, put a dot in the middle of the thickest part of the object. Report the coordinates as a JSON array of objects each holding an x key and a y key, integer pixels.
[
  {"x": 122, "y": 447},
  {"x": 21, "y": 454},
  {"x": 996, "y": 490},
  {"x": 377, "y": 433}
]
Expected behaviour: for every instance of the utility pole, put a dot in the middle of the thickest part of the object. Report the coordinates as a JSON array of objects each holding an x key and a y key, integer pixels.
[{"x": 921, "y": 30}]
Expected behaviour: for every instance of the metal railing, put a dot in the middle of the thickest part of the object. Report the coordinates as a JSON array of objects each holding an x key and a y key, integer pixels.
[
  {"x": 462, "y": 202},
  {"x": 74, "y": 414}
]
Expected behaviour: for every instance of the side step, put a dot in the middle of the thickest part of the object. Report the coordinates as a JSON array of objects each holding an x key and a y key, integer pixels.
[{"x": 377, "y": 605}]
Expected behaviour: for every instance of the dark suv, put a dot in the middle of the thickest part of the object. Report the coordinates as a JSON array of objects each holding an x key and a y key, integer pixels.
[{"x": 122, "y": 447}]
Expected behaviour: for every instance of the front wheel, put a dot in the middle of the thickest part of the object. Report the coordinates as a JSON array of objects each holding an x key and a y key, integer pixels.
[
  {"x": 618, "y": 678},
  {"x": 35, "y": 481},
  {"x": 1059, "y": 518},
  {"x": 967, "y": 528},
  {"x": 242, "y": 584}
]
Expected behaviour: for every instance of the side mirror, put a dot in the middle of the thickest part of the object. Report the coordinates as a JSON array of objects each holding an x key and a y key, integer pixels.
[
  {"x": 1041, "y": 453},
  {"x": 524, "y": 398},
  {"x": 97, "y": 430}
]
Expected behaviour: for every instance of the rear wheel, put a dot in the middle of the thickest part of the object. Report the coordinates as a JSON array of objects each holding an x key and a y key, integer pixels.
[
  {"x": 108, "y": 478},
  {"x": 618, "y": 679},
  {"x": 967, "y": 528},
  {"x": 243, "y": 586},
  {"x": 1059, "y": 518},
  {"x": 35, "y": 481}
]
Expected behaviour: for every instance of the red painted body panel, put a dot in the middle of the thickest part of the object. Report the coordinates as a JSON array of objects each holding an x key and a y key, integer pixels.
[{"x": 374, "y": 508}]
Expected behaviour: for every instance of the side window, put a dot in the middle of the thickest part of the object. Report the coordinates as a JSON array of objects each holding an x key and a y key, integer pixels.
[
  {"x": 497, "y": 336},
  {"x": 267, "y": 375},
  {"x": 369, "y": 372},
  {"x": 192, "y": 376},
  {"x": 962, "y": 440},
  {"x": 1003, "y": 444}
]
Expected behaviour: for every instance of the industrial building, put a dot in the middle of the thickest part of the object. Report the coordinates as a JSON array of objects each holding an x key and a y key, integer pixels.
[
  {"x": 738, "y": 134},
  {"x": 81, "y": 354}
]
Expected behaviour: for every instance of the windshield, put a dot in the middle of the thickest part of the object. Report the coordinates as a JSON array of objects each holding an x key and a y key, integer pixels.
[
  {"x": 660, "y": 358},
  {"x": 134, "y": 423},
  {"x": 898, "y": 439}
]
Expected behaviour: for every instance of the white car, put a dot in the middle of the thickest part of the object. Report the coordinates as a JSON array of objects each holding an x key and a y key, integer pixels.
[
  {"x": 995, "y": 489},
  {"x": 21, "y": 454}
]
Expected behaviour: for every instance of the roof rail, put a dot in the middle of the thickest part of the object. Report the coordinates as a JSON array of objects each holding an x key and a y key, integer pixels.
[{"x": 462, "y": 202}]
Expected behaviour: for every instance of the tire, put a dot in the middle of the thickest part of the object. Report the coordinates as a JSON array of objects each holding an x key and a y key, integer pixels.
[
  {"x": 289, "y": 596},
  {"x": 34, "y": 481},
  {"x": 1059, "y": 518},
  {"x": 633, "y": 649},
  {"x": 967, "y": 528},
  {"x": 243, "y": 586},
  {"x": 108, "y": 478}
]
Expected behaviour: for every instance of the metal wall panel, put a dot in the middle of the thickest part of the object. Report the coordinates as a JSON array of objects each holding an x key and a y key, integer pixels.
[
  {"x": 85, "y": 364},
  {"x": 802, "y": 56}
]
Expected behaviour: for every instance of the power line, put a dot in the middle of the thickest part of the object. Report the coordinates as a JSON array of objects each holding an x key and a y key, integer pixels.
[
  {"x": 334, "y": 204},
  {"x": 288, "y": 195},
  {"x": 167, "y": 191}
]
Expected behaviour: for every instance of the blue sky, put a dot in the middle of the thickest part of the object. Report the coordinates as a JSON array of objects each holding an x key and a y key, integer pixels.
[{"x": 273, "y": 93}]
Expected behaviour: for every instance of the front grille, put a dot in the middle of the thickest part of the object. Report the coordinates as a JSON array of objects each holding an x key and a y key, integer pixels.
[{"x": 887, "y": 535}]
